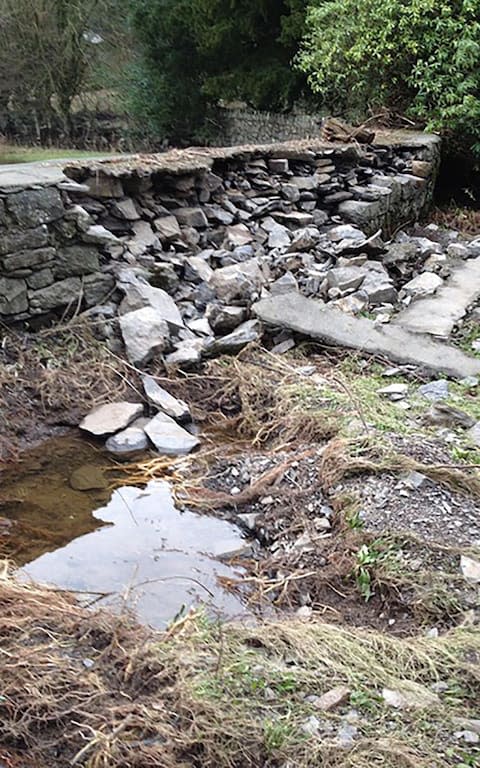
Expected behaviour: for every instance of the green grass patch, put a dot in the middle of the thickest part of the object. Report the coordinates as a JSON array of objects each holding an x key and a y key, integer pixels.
[
  {"x": 12, "y": 154},
  {"x": 466, "y": 335},
  {"x": 350, "y": 392}
]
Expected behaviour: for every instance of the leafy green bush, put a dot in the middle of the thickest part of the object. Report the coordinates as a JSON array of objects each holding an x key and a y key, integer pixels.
[{"x": 420, "y": 57}]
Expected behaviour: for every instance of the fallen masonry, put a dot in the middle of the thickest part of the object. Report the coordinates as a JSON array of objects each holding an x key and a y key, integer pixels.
[
  {"x": 438, "y": 314},
  {"x": 328, "y": 324},
  {"x": 168, "y": 253}
]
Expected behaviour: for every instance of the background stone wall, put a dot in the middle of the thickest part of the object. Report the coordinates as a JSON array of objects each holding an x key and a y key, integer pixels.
[
  {"x": 63, "y": 243},
  {"x": 247, "y": 126}
]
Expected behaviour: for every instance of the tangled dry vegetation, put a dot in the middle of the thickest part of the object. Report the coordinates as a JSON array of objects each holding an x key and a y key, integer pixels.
[
  {"x": 55, "y": 376},
  {"x": 465, "y": 220},
  {"x": 88, "y": 690},
  {"x": 257, "y": 400},
  {"x": 248, "y": 397}
]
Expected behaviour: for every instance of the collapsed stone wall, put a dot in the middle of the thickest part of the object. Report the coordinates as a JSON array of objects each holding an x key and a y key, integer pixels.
[{"x": 182, "y": 215}]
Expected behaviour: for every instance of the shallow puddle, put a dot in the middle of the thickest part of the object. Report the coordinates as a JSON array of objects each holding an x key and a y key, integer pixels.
[{"x": 129, "y": 549}]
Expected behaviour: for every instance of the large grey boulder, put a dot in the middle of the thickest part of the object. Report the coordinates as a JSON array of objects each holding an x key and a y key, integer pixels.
[
  {"x": 145, "y": 334},
  {"x": 164, "y": 401},
  {"x": 168, "y": 437},
  {"x": 110, "y": 418}
]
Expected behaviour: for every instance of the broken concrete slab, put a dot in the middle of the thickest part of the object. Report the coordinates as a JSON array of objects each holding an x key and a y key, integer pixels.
[
  {"x": 437, "y": 315},
  {"x": 312, "y": 317}
]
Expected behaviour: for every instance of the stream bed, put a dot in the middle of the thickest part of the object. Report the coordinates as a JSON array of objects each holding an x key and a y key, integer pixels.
[{"x": 129, "y": 548}]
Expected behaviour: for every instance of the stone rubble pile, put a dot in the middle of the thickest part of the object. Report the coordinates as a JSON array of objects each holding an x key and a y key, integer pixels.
[
  {"x": 128, "y": 431},
  {"x": 191, "y": 253}
]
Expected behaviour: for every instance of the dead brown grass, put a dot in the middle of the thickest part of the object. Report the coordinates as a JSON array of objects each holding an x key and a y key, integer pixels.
[
  {"x": 57, "y": 374},
  {"x": 248, "y": 398},
  {"x": 466, "y": 220},
  {"x": 98, "y": 691},
  {"x": 343, "y": 458}
]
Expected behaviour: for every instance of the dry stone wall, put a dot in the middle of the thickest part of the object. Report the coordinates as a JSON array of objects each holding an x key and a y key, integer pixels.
[
  {"x": 243, "y": 125},
  {"x": 206, "y": 226}
]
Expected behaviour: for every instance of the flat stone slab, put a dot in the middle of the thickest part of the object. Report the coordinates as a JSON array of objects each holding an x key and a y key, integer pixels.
[
  {"x": 437, "y": 315},
  {"x": 164, "y": 401},
  {"x": 26, "y": 175},
  {"x": 168, "y": 437},
  {"x": 312, "y": 317},
  {"x": 110, "y": 418}
]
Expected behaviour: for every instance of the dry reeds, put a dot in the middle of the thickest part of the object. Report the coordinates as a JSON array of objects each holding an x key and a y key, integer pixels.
[
  {"x": 98, "y": 691},
  {"x": 248, "y": 397},
  {"x": 342, "y": 458}
]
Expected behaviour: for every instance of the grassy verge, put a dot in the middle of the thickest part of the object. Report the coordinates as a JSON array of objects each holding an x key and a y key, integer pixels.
[
  {"x": 84, "y": 689},
  {"x": 13, "y": 153}
]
